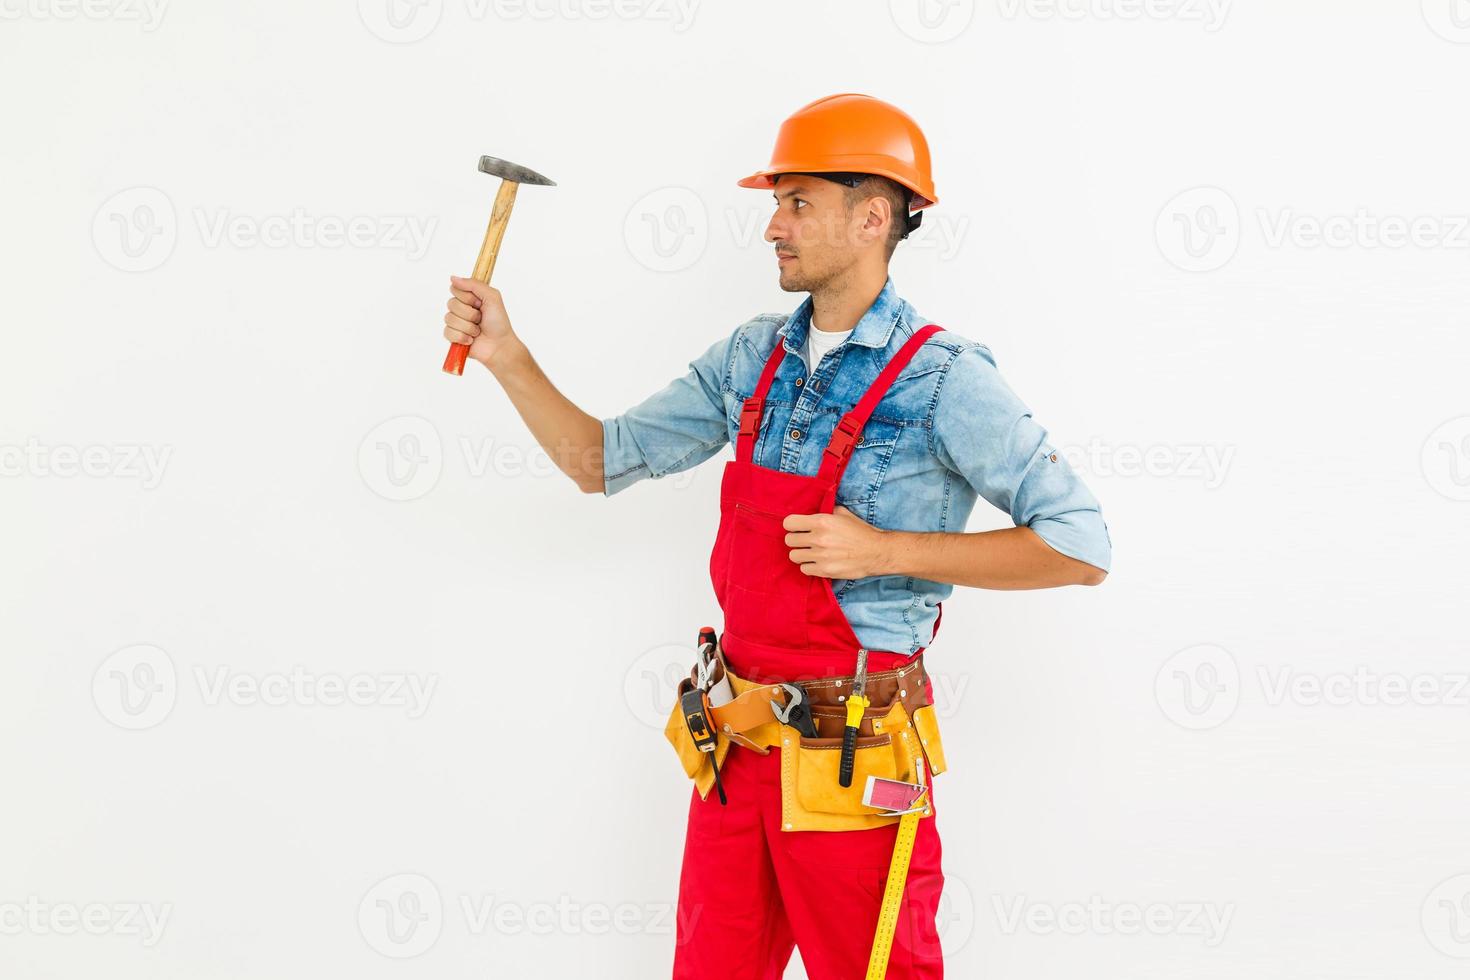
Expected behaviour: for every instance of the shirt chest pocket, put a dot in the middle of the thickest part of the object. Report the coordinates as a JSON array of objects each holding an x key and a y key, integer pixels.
[{"x": 867, "y": 465}]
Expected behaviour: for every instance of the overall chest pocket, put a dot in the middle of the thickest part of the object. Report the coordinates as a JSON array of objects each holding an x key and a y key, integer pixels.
[{"x": 867, "y": 465}]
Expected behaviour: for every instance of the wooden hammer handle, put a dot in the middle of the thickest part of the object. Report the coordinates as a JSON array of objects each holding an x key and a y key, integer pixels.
[{"x": 505, "y": 199}]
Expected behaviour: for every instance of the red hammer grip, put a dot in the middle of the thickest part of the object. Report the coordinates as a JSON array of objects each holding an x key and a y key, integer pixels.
[{"x": 454, "y": 361}]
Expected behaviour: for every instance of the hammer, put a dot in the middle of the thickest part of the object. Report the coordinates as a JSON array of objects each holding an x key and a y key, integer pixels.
[{"x": 511, "y": 176}]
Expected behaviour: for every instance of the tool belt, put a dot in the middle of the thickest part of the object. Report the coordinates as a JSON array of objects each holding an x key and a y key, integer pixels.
[{"x": 897, "y": 739}]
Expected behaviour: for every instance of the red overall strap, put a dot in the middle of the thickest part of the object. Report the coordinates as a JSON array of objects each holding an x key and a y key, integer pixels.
[
  {"x": 755, "y": 405},
  {"x": 839, "y": 447}
]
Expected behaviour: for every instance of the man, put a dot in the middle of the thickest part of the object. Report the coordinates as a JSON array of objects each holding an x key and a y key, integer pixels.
[{"x": 863, "y": 437}]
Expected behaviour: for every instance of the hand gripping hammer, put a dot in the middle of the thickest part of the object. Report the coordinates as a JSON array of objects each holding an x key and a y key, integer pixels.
[{"x": 511, "y": 176}]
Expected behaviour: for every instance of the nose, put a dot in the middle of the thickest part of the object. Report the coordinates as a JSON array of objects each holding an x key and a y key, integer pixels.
[{"x": 775, "y": 229}]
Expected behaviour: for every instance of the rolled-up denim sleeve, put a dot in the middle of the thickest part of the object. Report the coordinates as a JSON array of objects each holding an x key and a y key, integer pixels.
[
  {"x": 983, "y": 432},
  {"x": 677, "y": 427}
]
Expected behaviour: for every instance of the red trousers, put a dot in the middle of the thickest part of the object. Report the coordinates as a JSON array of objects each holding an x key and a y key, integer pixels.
[{"x": 750, "y": 891}]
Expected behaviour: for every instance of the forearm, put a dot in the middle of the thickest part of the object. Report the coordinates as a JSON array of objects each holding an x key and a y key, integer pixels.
[
  {"x": 1012, "y": 558},
  {"x": 570, "y": 436}
]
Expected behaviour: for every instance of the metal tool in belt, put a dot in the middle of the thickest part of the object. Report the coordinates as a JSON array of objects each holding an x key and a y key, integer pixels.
[{"x": 694, "y": 704}]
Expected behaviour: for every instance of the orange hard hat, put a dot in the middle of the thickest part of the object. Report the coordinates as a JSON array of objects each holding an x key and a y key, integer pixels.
[{"x": 851, "y": 133}]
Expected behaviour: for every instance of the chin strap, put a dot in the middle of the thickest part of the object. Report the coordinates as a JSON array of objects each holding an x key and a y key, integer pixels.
[{"x": 915, "y": 219}]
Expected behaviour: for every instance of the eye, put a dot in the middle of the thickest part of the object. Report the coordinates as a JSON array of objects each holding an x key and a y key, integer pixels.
[{"x": 799, "y": 203}]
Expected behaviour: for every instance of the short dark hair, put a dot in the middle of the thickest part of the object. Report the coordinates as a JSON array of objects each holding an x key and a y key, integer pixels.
[{"x": 898, "y": 203}]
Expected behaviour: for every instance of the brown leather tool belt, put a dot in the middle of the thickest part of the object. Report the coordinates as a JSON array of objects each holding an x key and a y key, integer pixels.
[{"x": 826, "y": 695}]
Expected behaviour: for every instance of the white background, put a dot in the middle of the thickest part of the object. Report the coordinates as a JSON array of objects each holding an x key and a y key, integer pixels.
[{"x": 1276, "y": 425}]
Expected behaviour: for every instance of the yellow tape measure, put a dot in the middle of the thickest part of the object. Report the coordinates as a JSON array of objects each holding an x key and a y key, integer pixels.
[{"x": 898, "y": 874}]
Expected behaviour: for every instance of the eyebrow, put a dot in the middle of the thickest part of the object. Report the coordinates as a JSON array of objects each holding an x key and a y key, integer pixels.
[{"x": 778, "y": 194}]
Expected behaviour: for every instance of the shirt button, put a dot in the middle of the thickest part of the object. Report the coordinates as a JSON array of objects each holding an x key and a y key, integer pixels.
[
  {"x": 799, "y": 382},
  {"x": 796, "y": 433}
]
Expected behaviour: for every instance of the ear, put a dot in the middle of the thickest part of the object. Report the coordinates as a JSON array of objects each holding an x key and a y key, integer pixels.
[{"x": 873, "y": 224}]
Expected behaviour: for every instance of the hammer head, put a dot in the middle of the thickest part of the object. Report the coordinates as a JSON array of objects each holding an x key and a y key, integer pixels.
[{"x": 514, "y": 172}]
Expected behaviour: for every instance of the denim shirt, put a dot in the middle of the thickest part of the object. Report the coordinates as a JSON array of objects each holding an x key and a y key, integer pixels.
[{"x": 947, "y": 431}]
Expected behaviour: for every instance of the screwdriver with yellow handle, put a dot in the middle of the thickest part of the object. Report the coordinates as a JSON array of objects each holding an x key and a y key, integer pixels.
[{"x": 857, "y": 703}]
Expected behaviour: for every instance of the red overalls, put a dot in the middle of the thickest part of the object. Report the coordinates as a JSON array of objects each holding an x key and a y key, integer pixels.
[{"x": 748, "y": 889}]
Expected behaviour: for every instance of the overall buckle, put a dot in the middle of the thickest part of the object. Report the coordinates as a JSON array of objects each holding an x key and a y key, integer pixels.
[
  {"x": 843, "y": 437},
  {"x": 750, "y": 415}
]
